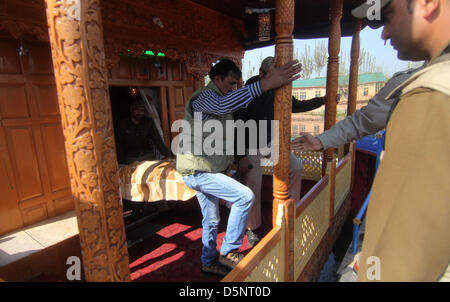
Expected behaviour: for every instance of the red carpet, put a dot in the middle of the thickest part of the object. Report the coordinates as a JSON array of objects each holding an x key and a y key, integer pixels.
[
  {"x": 172, "y": 246},
  {"x": 172, "y": 253}
]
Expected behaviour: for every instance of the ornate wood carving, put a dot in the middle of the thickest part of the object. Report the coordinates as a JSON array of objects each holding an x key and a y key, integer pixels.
[
  {"x": 284, "y": 22},
  {"x": 19, "y": 17},
  {"x": 82, "y": 85},
  {"x": 334, "y": 44},
  {"x": 135, "y": 20},
  {"x": 130, "y": 25},
  {"x": 284, "y": 25}
]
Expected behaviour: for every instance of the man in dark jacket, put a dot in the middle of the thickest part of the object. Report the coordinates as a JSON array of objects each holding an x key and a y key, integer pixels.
[{"x": 250, "y": 165}]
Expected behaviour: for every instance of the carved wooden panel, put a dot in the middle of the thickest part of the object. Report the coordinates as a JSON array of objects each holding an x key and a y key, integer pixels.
[
  {"x": 13, "y": 101},
  {"x": 55, "y": 156},
  {"x": 129, "y": 24},
  {"x": 24, "y": 17},
  {"x": 46, "y": 100},
  {"x": 271, "y": 268},
  {"x": 83, "y": 97},
  {"x": 310, "y": 226}
]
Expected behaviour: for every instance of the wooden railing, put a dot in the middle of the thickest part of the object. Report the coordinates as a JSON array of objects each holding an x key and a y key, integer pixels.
[
  {"x": 342, "y": 181},
  {"x": 312, "y": 165},
  {"x": 265, "y": 261},
  {"x": 311, "y": 218}
]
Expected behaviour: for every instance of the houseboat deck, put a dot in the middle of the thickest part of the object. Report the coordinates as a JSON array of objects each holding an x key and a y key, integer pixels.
[
  {"x": 165, "y": 247},
  {"x": 347, "y": 271}
]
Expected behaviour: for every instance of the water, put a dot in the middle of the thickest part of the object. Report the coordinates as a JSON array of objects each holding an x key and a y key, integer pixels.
[{"x": 329, "y": 270}]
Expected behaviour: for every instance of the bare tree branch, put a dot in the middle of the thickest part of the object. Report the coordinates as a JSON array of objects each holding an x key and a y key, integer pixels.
[{"x": 320, "y": 56}]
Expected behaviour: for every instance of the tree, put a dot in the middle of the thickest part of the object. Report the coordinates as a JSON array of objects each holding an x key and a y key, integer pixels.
[
  {"x": 251, "y": 71},
  {"x": 320, "y": 56},
  {"x": 367, "y": 63},
  {"x": 307, "y": 62},
  {"x": 344, "y": 67}
]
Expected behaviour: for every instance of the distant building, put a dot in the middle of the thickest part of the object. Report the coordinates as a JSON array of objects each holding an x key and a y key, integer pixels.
[{"x": 368, "y": 85}]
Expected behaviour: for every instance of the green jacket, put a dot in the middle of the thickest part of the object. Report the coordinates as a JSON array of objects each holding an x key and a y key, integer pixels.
[{"x": 196, "y": 152}]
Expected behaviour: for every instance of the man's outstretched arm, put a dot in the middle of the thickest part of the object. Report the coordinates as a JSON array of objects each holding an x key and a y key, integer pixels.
[{"x": 368, "y": 120}]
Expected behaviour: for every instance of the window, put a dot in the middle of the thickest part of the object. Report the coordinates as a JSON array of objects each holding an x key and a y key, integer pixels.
[
  {"x": 366, "y": 91},
  {"x": 302, "y": 128},
  {"x": 302, "y": 95},
  {"x": 295, "y": 94},
  {"x": 318, "y": 93},
  {"x": 379, "y": 86},
  {"x": 316, "y": 129},
  {"x": 294, "y": 130}
]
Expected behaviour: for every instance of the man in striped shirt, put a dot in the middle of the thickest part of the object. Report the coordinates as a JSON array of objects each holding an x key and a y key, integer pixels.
[
  {"x": 203, "y": 171},
  {"x": 209, "y": 102}
]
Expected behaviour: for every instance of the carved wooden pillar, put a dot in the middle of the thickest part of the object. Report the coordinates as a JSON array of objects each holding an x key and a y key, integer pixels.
[
  {"x": 334, "y": 45},
  {"x": 76, "y": 38},
  {"x": 354, "y": 65},
  {"x": 284, "y": 25},
  {"x": 353, "y": 81}
]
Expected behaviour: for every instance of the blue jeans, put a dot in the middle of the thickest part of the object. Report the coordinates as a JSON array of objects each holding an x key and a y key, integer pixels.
[{"x": 210, "y": 188}]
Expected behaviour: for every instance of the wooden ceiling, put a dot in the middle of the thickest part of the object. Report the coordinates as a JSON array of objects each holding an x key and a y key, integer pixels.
[{"x": 311, "y": 18}]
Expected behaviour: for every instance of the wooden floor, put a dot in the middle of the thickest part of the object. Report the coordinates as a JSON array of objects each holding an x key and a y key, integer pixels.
[
  {"x": 41, "y": 247},
  {"x": 19, "y": 244}
]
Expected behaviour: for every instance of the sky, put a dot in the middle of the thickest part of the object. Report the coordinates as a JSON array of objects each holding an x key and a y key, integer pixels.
[{"x": 386, "y": 56}]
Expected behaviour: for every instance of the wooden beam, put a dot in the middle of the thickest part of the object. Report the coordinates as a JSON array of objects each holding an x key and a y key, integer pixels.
[
  {"x": 76, "y": 38},
  {"x": 334, "y": 45},
  {"x": 354, "y": 66},
  {"x": 284, "y": 25}
]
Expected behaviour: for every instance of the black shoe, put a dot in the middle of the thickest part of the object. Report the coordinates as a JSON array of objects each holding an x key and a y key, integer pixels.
[
  {"x": 252, "y": 238},
  {"x": 216, "y": 269},
  {"x": 231, "y": 259}
]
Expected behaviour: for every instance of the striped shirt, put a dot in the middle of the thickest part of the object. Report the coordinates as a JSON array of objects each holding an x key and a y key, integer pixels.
[{"x": 210, "y": 103}]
